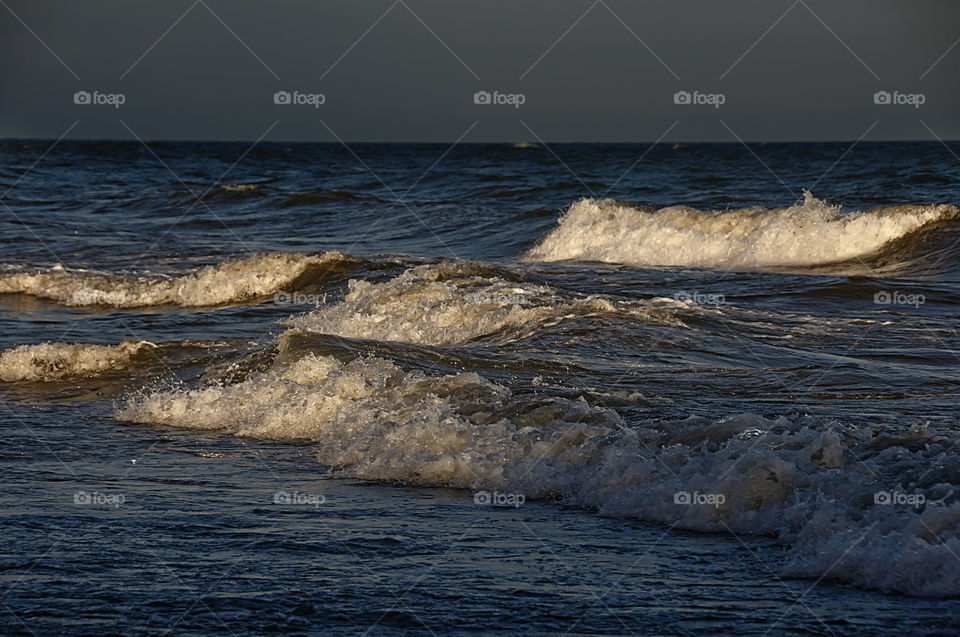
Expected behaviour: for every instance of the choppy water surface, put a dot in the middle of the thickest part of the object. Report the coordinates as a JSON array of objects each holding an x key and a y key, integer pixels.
[{"x": 285, "y": 394}]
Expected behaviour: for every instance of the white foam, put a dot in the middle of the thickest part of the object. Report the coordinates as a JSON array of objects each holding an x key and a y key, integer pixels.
[
  {"x": 380, "y": 422},
  {"x": 56, "y": 361},
  {"x": 806, "y": 234},
  {"x": 454, "y": 303},
  {"x": 229, "y": 281},
  {"x": 240, "y": 187},
  {"x": 798, "y": 479}
]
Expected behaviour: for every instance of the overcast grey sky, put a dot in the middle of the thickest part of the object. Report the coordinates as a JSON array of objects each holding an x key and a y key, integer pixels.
[{"x": 407, "y": 70}]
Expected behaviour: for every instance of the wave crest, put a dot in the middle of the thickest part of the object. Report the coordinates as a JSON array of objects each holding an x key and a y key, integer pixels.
[
  {"x": 57, "y": 361},
  {"x": 806, "y": 234},
  {"x": 230, "y": 281},
  {"x": 454, "y": 303}
]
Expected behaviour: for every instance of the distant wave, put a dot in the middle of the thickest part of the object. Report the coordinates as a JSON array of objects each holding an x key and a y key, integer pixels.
[
  {"x": 316, "y": 197},
  {"x": 229, "y": 192},
  {"x": 451, "y": 303},
  {"x": 811, "y": 233},
  {"x": 57, "y": 361},
  {"x": 240, "y": 187},
  {"x": 809, "y": 482},
  {"x": 230, "y": 281}
]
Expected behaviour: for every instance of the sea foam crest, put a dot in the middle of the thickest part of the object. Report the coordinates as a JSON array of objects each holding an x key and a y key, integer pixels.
[
  {"x": 233, "y": 280},
  {"x": 805, "y": 234},
  {"x": 57, "y": 361},
  {"x": 453, "y": 303},
  {"x": 797, "y": 478}
]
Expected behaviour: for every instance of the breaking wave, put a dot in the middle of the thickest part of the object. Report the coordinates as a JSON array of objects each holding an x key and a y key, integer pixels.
[
  {"x": 452, "y": 303},
  {"x": 811, "y": 233},
  {"x": 812, "y": 483},
  {"x": 57, "y": 361},
  {"x": 230, "y": 281}
]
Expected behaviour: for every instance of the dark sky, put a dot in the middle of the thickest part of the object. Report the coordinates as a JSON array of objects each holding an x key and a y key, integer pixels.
[{"x": 604, "y": 70}]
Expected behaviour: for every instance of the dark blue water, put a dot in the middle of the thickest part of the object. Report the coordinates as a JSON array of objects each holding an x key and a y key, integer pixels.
[{"x": 714, "y": 403}]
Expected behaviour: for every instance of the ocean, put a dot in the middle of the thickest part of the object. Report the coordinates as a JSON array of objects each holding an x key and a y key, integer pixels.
[{"x": 432, "y": 389}]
